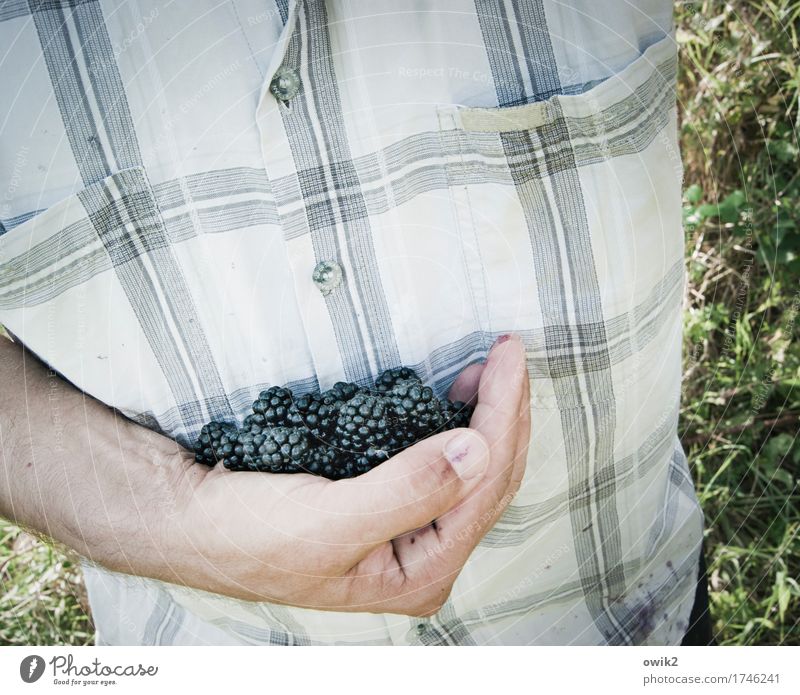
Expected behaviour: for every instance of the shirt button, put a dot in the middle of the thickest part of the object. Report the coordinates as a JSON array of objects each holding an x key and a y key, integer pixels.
[
  {"x": 285, "y": 84},
  {"x": 327, "y": 276},
  {"x": 416, "y": 633}
]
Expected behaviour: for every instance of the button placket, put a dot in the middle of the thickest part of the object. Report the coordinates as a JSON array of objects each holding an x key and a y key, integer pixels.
[
  {"x": 313, "y": 279},
  {"x": 318, "y": 194},
  {"x": 279, "y": 55}
]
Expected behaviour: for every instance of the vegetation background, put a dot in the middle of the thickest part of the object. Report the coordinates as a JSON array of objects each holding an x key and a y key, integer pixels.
[{"x": 738, "y": 92}]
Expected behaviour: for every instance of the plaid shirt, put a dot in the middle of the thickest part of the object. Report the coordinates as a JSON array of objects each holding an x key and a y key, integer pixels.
[{"x": 472, "y": 167}]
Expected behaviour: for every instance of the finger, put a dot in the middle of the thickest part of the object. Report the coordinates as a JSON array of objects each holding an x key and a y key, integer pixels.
[
  {"x": 408, "y": 491},
  {"x": 465, "y": 387},
  {"x": 380, "y": 584},
  {"x": 502, "y": 381},
  {"x": 523, "y": 438},
  {"x": 502, "y": 419},
  {"x": 417, "y": 548},
  {"x": 501, "y": 391}
]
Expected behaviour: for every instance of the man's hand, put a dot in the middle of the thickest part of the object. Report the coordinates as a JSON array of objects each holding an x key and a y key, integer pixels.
[{"x": 393, "y": 540}]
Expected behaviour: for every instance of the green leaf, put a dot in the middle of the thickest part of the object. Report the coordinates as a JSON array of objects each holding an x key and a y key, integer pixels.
[
  {"x": 735, "y": 198},
  {"x": 784, "y": 593},
  {"x": 693, "y": 194},
  {"x": 765, "y": 253},
  {"x": 778, "y": 446},
  {"x": 794, "y": 269},
  {"x": 707, "y": 210},
  {"x": 783, "y": 150},
  {"x": 728, "y": 213}
]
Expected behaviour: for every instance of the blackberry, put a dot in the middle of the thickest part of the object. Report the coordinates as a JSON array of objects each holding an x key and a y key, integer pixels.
[
  {"x": 288, "y": 445},
  {"x": 214, "y": 442},
  {"x": 342, "y": 391},
  {"x": 235, "y": 460},
  {"x": 416, "y": 407},
  {"x": 271, "y": 408},
  {"x": 253, "y": 422},
  {"x": 316, "y": 413},
  {"x": 347, "y": 469},
  {"x": 324, "y": 461},
  {"x": 336, "y": 464},
  {"x": 363, "y": 423},
  {"x": 399, "y": 437},
  {"x": 391, "y": 377},
  {"x": 330, "y": 463},
  {"x": 341, "y": 433},
  {"x": 363, "y": 463},
  {"x": 275, "y": 450},
  {"x": 456, "y": 414},
  {"x": 353, "y": 466}
]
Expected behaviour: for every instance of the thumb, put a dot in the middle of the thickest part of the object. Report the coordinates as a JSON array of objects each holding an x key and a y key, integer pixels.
[{"x": 414, "y": 487}]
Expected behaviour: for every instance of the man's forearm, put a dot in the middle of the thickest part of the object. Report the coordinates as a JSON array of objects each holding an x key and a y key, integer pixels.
[{"x": 72, "y": 468}]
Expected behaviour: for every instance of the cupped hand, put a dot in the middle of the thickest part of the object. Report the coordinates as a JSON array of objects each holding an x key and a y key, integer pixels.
[{"x": 392, "y": 540}]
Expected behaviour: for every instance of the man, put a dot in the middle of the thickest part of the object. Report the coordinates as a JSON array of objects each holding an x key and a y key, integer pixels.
[{"x": 207, "y": 198}]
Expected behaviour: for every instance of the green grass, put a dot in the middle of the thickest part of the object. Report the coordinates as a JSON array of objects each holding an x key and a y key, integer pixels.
[
  {"x": 738, "y": 97},
  {"x": 42, "y": 599}
]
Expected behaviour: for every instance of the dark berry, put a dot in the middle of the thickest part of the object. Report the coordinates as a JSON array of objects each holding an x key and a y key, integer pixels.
[
  {"x": 235, "y": 460},
  {"x": 456, "y": 414},
  {"x": 214, "y": 442},
  {"x": 271, "y": 408},
  {"x": 416, "y": 408},
  {"x": 341, "y": 433},
  {"x": 363, "y": 423},
  {"x": 331, "y": 463},
  {"x": 391, "y": 377},
  {"x": 275, "y": 450},
  {"x": 342, "y": 391},
  {"x": 336, "y": 464},
  {"x": 400, "y": 437},
  {"x": 315, "y": 413},
  {"x": 322, "y": 460}
]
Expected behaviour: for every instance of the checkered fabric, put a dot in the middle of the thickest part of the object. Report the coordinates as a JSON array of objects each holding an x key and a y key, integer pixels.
[{"x": 474, "y": 166}]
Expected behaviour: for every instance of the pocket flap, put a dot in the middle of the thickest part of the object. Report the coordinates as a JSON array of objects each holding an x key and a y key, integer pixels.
[{"x": 503, "y": 120}]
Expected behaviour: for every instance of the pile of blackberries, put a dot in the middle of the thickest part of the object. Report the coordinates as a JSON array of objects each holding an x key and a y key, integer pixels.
[{"x": 341, "y": 433}]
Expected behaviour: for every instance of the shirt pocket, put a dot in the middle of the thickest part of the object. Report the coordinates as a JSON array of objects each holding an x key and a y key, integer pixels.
[
  {"x": 96, "y": 288},
  {"x": 571, "y": 206}
]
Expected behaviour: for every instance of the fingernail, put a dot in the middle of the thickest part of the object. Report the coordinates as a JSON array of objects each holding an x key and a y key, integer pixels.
[
  {"x": 466, "y": 456},
  {"x": 502, "y": 339}
]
